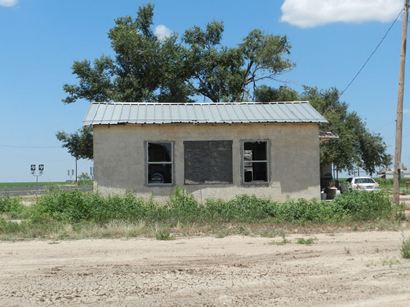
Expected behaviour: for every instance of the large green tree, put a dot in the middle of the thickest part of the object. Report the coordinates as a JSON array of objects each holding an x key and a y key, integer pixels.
[
  {"x": 197, "y": 64},
  {"x": 147, "y": 68},
  {"x": 356, "y": 146}
]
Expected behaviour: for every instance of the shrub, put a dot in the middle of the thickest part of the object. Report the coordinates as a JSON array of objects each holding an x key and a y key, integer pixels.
[
  {"x": 163, "y": 234},
  {"x": 125, "y": 208},
  {"x": 75, "y": 206},
  {"x": 59, "y": 209},
  {"x": 67, "y": 206},
  {"x": 243, "y": 208},
  {"x": 12, "y": 207},
  {"x": 302, "y": 211},
  {"x": 182, "y": 207},
  {"x": 405, "y": 248},
  {"x": 362, "y": 206}
]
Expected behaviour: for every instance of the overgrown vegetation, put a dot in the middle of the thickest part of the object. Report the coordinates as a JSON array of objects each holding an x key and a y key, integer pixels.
[
  {"x": 11, "y": 207},
  {"x": 387, "y": 184},
  {"x": 405, "y": 248},
  {"x": 61, "y": 214}
]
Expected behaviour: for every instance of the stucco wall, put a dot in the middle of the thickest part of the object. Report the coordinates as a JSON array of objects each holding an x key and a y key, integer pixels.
[{"x": 119, "y": 159}]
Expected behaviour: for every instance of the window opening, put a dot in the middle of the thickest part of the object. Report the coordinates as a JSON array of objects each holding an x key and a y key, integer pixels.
[
  {"x": 255, "y": 162},
  {"x": 160, "y": 163}
]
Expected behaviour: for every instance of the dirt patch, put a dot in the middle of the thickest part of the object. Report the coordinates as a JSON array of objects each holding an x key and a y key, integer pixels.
[{"x": 358, "y": 268}]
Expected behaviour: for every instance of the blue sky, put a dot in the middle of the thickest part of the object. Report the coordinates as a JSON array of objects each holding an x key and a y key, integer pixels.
[{"x": 40, "y": 39}]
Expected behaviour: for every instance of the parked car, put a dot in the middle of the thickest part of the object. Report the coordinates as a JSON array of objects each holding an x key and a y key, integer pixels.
[{"x": 362, "y": 184}]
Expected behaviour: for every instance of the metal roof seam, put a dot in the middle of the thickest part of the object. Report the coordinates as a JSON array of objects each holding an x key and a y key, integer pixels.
[{"x": 122, "y": 108}]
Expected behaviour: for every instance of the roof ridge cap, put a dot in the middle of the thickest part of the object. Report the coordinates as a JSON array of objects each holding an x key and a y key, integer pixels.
[{"x": 196, "y": 103}]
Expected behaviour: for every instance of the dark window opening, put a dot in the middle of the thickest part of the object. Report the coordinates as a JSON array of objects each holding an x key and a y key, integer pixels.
[
  {"x": 160, "y": 160},
  {"x": 208, "y": 162},
  {"x": 159, "y": 152},
  {"x": 255, "y": 162}
]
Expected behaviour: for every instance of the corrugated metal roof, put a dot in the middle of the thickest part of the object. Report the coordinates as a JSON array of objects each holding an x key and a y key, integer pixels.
[{"x": 201, "y": 113}]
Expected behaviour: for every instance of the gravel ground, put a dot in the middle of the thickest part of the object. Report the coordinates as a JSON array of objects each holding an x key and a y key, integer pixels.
[{"x": 345, "y": 269}]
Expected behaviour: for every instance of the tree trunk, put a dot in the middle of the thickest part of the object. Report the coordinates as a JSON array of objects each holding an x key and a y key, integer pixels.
[{"x": 76, "y": 180}]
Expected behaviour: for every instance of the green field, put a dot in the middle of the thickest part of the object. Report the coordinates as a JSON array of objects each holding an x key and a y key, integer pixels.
[
  {"x": 387, "y": 184},
  {"x": 29, "y": 184},
  {"x": 5, "y": 185}
]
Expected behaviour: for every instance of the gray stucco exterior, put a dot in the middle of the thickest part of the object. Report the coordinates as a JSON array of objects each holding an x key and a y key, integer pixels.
[{"x": 294, "y": 171}]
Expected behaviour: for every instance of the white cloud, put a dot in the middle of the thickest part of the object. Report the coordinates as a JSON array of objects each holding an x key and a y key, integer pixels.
[
  {"x": 8, "y": 3},
  {"x": 312, "y": 13},
  {"x": 162, "y": 32}
]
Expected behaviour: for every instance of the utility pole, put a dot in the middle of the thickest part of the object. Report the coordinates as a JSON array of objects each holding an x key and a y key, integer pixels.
[{"x": 399, "y": 115}]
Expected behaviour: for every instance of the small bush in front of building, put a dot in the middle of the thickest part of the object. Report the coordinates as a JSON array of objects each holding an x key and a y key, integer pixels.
[
  {"x": 363, "y": 206},
  {"x": 66, "y": 206},
  {"x": 405, "y": 248},
  {"x": 182, "y": 206},
  {"x": 11, "y": 206}
]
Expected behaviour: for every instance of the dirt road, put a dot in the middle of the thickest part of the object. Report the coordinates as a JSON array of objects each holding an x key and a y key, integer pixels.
[{"x": 346, "y": 269}]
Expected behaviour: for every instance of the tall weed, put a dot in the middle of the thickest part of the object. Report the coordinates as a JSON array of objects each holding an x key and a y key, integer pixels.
[
  {"x": 75, "y": 206},
  {"x": 57, "y": 210},
  {"x": 11, "y": 206},
  {"x": 363, "y": 206},
  {"x": 405, "y": 248}
]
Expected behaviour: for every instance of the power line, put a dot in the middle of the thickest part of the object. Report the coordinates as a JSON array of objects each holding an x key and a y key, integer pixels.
[
  {"x": 28, "y": 147},
  {"x": 371, "y": 54},
  {"x": 295, "y": 82}
]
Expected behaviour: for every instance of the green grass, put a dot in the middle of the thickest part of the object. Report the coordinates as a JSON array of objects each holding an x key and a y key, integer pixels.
[
  {"x": 30, "y": 184},
  {"x": 72, "y": 214},
  {"x": 308, "y": 241},
  {"x": 387, "y": 184}
]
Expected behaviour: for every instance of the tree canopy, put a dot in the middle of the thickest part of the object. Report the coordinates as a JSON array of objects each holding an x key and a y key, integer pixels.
[
  {"x": 147, "y": 68},
  {"x": 356, "y": 145},
  {"x": 78, "y": 144}
]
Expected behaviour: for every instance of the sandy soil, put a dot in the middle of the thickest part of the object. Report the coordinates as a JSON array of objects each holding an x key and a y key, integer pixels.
[{"x": 346, "y": 269}]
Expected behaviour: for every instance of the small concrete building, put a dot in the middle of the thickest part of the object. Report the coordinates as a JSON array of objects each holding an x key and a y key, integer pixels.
[{"x": 213, "y": 150}]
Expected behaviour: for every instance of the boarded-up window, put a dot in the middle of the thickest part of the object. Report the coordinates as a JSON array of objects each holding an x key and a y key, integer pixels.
[{"x": 208, "y": 162}]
